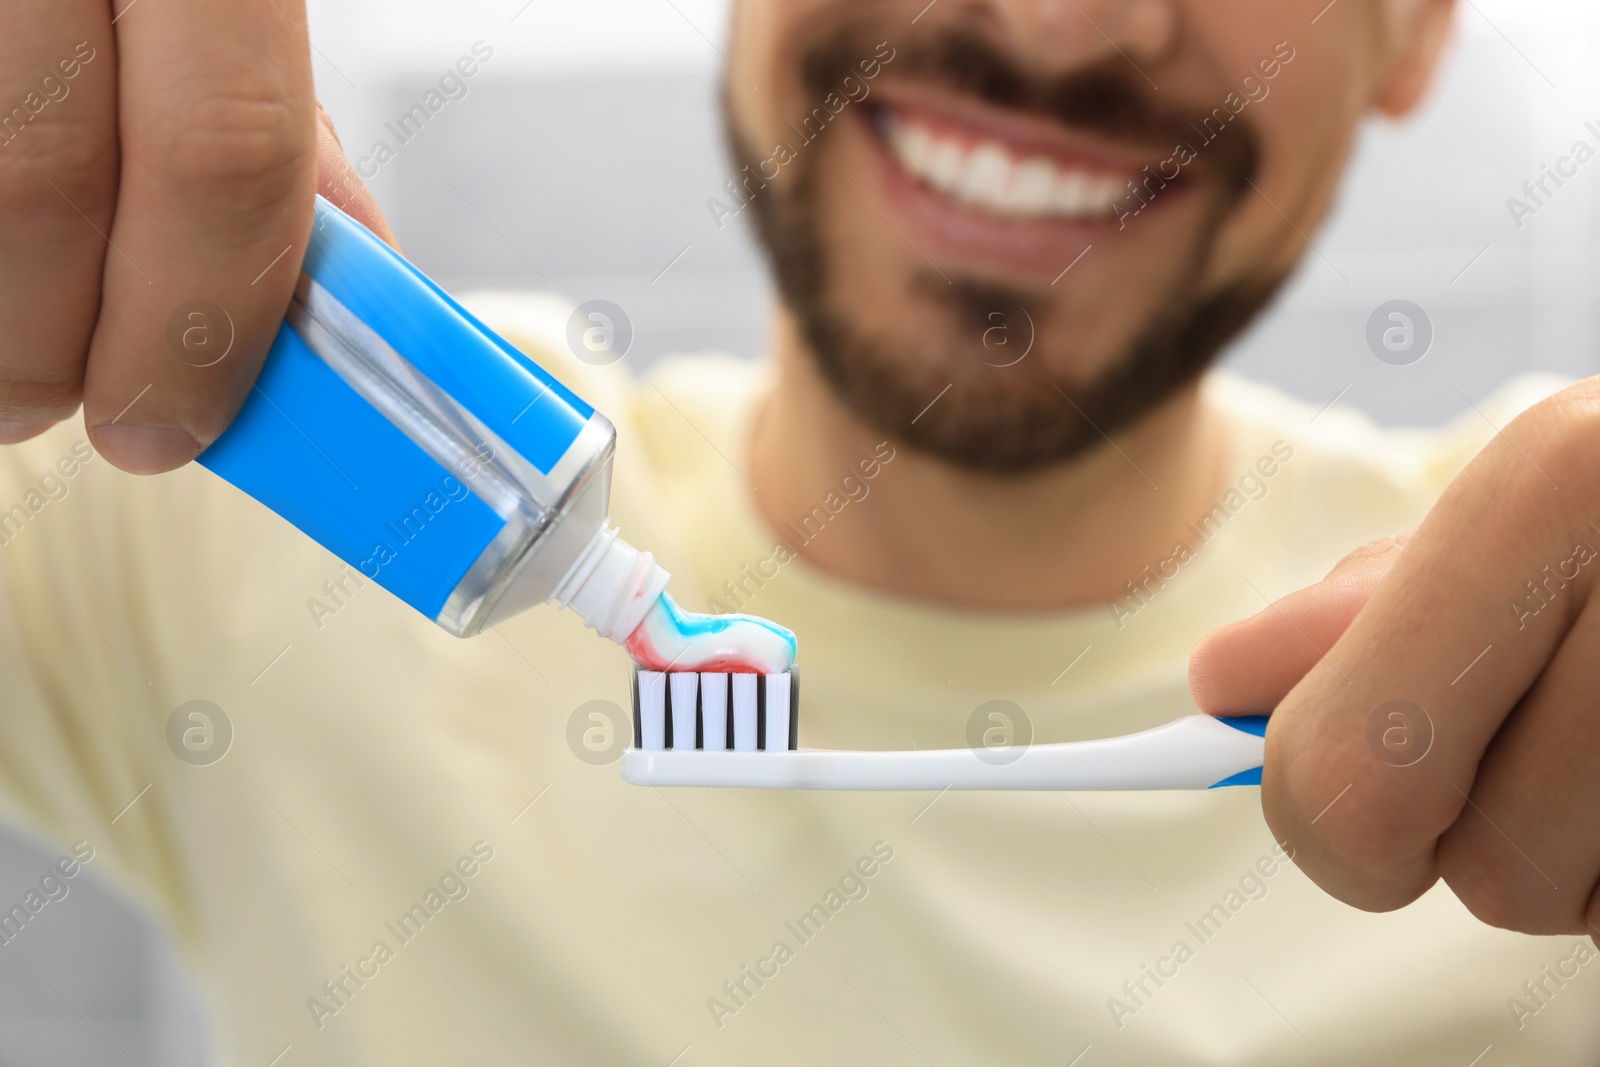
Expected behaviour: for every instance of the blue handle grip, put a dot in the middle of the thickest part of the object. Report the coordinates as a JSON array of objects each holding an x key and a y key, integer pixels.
[{"x": 1250, "y": 724}]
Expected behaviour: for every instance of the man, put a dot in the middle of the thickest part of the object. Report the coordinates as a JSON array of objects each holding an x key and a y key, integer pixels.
[{"x": 1010, "y": 235}]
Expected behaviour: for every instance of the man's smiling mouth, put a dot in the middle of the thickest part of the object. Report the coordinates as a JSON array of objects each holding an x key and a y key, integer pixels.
[
  {"x": 1001, "y": 191},
  {"x": 986, "y": 173},
  {"x": 1002, "y": 163}
]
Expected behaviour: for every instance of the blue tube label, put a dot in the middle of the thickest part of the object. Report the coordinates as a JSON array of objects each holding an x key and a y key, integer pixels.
[
  {"x": 310, "y": 448},
  {"x": 313, "y": 449},
  {"x": 513, "y": 396}
]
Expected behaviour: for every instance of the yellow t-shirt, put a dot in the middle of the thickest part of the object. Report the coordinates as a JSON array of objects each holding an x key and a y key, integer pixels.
[{"x": 401, "y": 857}]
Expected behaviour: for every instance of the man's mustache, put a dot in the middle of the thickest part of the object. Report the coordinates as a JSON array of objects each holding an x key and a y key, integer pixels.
[{"x": 1110, "y": 99}]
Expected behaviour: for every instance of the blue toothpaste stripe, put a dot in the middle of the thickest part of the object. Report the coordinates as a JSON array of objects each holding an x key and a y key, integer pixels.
[
  {"x": 693, "y": 624},
  {"x": 310, "y": 448}
]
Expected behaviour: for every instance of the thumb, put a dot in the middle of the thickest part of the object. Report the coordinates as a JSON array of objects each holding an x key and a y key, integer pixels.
[
  {"x": 1249, "y": 666},
  {"x": 338, "y": 181}
]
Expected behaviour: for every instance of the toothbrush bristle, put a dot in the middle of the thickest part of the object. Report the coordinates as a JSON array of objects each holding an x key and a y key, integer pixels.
[
  {"x": 746, "y": 713},
  {"x": 651, "y": 693},
  {"x": 715, "y": 711}
]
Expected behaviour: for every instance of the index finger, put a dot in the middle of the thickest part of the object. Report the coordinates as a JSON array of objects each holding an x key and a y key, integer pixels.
[
  {"x": 1372, "y": 756},
  {"x": 217, "y": 118}
]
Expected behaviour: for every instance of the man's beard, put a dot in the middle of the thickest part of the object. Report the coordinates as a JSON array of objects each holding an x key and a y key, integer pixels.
[{"x": 1004, "y": 417}]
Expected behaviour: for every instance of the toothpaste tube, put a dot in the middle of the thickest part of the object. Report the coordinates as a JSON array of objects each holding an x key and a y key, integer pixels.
[{"x": 402, "y": 434}]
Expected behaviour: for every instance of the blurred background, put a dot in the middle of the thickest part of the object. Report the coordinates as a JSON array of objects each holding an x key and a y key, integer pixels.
[
  {"x": 580, "y": 161},
  {"x": 583, "y": 155}
]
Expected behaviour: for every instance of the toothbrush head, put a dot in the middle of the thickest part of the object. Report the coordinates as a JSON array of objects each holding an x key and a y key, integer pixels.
[{"x": 715, "y": 711}]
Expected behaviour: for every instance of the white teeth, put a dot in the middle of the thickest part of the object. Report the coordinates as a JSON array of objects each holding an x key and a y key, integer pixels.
[
  {"x": 946, "y": 164},
  {"x": 1072, "y": 193},
  {"x": 990, "y": 176},
  {"x": 1033, "y": 186},
  {"x": 916, "y": 145}
]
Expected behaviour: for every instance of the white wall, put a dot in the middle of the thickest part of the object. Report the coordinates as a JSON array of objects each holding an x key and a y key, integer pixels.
[{"x": 1426, "y": 197}]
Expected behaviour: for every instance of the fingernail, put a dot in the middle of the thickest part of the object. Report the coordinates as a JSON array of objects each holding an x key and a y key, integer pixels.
[
  {"x": 144, "y": 449},
  {"x": 12, "y": 432}
]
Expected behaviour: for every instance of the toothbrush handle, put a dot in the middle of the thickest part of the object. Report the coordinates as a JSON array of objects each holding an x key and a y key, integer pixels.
[{"x": 1196, "y": 752}]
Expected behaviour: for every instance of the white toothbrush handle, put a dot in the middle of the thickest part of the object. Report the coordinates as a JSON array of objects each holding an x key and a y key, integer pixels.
[{"x": 1197, "y": 752}]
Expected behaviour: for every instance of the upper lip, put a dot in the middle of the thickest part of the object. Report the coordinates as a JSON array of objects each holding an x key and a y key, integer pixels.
[{"x": 1022, "y": 133}]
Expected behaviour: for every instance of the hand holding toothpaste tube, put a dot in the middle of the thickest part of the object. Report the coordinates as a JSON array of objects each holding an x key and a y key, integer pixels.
[
  {"x": 159, "y": 227},
  {"x": 1435, "y": 696},
  {"x": 178, "y": 240}
]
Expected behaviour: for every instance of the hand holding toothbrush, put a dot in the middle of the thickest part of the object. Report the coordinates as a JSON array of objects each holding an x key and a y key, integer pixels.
[{"x": 1436, "y": 699}]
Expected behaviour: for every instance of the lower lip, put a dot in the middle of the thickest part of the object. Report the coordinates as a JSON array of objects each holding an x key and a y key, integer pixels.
[{"x": 1032, "y": 248}]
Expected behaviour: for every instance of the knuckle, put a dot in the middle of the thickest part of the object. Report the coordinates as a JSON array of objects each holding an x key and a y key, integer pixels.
[
  {"x": 64, "y": 168},
  {"x": 1383, "y": 550},
  {"x": 233, "y": 152},
  {"x": 27, "y": 401},
  {"x": 1499, "y": 886},
  {"x": 1375, "y": 844},
  {"x": 1374, "y": 862},
  {"x": 1561, "y": 436},
  {"x": 1486, "y": 887}
]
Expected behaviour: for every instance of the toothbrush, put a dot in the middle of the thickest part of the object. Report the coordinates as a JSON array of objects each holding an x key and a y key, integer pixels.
[
  {"x": 741, "y": 730},
  {"x": 403, "y": 435}
]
